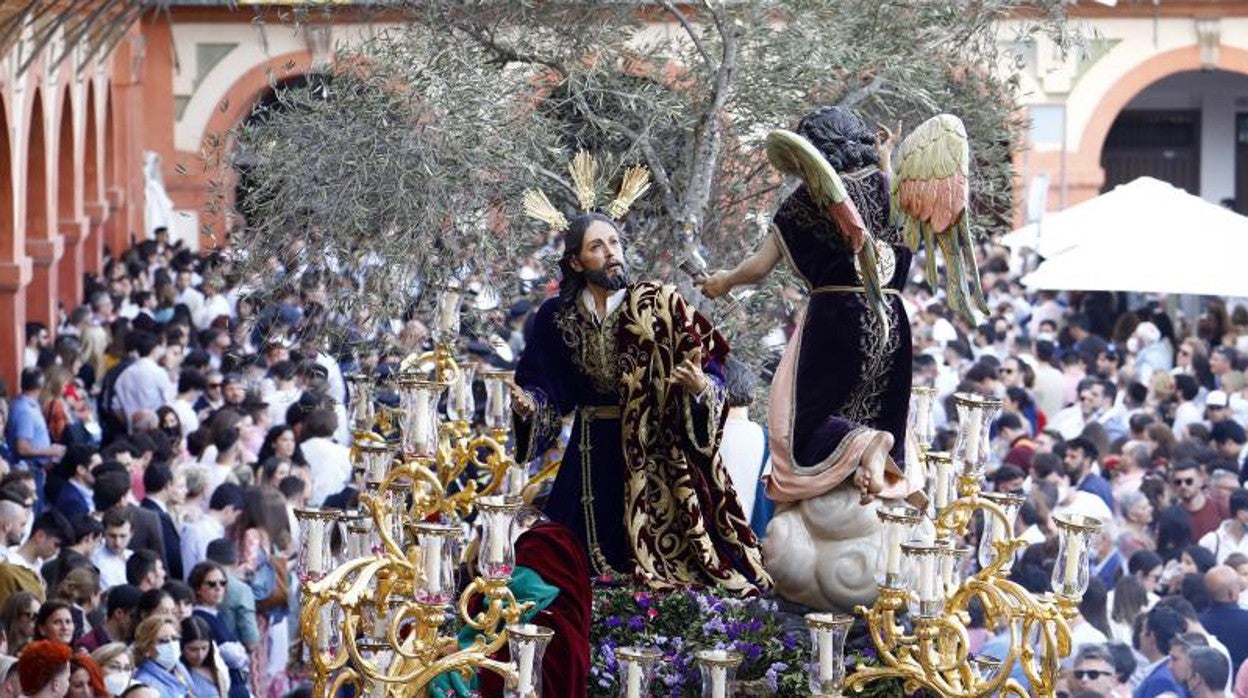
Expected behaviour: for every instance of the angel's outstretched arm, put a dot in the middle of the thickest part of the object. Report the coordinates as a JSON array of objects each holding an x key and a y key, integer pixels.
[{"x": 751, "y": 270}]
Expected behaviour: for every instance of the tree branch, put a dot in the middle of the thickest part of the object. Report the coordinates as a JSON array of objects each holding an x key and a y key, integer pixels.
[
  {"x": 640, "y": 140},
  {"x": 857, "y": 95},
  {"x": 503, "y": 53},
  {"x": 690, "y": 30}
]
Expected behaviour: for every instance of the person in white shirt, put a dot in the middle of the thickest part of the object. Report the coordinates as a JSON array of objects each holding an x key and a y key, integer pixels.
[
  {"x": 224, "y": 508},
  {"x": 744, "y": 442},
  {"x": 111, "y": 557},
  {"x": 191, "y": 385},
  {"x": 329, "y": 462},
  {"x": 284, "y": 392},
  {"x": 1188, "y": 411},
  {"x": 187, "y": 293},
  {"x": 215, "y": 303},
  {"x": 145, "y": 384},
  {"x": 1229, "y": 537}
]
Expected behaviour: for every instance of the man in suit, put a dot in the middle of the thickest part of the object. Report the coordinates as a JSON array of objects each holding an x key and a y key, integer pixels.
[
  {"x": 112, "y": 485},
  {"x": 156, "y": 481},
  {"x": 1224, "y": 618},
  {"x": 1160, "y": 628},
  {"x": 74, "y": 496}
]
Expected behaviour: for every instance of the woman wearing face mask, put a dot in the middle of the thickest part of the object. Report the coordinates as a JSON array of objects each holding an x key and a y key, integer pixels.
[
  {"x": 200, "y": 659},
  {"x": 114, "y": 660},
  {"x": 156, "y": 658},
  {"x": 84, "y": 678}
]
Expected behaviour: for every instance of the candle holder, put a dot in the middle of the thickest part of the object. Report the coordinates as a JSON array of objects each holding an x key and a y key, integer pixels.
[
  {"x": 316, "y": 530},
  {"x": 514, "y": 481},
  {"x": 375, "y": 457},
  {"x": 437, "y": 563},
  {"x": 718, "y": 669},
  {"x": 498, "y": 399},
  {"x": 418, "y": 402},
  {"x": 395, "y": 499},
  {"x": 461, "y": 404},
  {"x": 995, "y": 534},
  {"x": 897, "y": 525},
  {"x": 527, "y": 644},
  {"x": 827, "y": 652},
  {"x": 924, "y": 577},
  {"x": 636, "y": 670},
  {"x": 361, "y": 539},
  {"x": 984, "y": 667},
  {"x": 921, "y": 423},
  {"x": 446, "y": 323},
  {"x": 975, "y": 416},
  {"x": 952, "y": 562},
  {"x": 941, "y": 481},
  {"x": 363, "y": 412},
  {"x": 1072, "y": 571},
  {"x": 497, "y": 554}
]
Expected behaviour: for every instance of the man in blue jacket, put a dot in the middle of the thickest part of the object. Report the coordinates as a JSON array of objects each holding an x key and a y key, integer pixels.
[{"x": 1158, "y": 633}]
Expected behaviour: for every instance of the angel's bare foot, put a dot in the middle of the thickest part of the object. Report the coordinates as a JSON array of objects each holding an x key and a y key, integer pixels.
[{"x": 869, "y": 477}]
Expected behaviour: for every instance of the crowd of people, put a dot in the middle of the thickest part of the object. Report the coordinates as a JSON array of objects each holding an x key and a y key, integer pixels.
[
  {"x": 161, "y": 436},
  {"x": 1119, "y": 408}
]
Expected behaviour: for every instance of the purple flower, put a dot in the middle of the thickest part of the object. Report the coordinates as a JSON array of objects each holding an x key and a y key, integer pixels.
[
  {"x": 613, "y": 622},
  {"x": 773, "y": 675},
  {"x": 636, "y": 624}
]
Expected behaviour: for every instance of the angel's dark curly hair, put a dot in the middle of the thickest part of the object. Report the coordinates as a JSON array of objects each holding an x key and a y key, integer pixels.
[{"x": 841, "y": 136}]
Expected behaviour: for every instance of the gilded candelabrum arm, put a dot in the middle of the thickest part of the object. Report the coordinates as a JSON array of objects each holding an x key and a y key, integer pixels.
[
  {"x": 535, "y": 483},
  {"x": 488, "y": 453},
  {"x": 499, "y": 609},
  {"x": 440, "y": 361},
  {"x": 886, "y": 634}
]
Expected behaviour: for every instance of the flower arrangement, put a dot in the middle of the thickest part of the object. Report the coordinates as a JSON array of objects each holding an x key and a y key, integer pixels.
[{"x": 680, "y": 623}]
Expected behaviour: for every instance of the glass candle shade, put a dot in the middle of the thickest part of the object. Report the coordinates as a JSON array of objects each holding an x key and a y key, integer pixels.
[
  {"x": 497, "y": 398},
  {"x": 437, "y": 562},
  {"x": 418, "y": 405},
  {"x": 316, "y": 532},
  {"x": 446, "y": 322},
  {"x": 527, "y": 644},
  {"x": 718, "y": 669},
  {"x": 375, "y": 457},
  {"x": 994, "y": 532},
  {"x": 515, "y": 478},
  {"x": 636, "y": 670},
  {"x": 952, "y": 566},
  {"x": 942, "y": 481},
  {"x": 395, "y": 502},
  {"x": 461, "y": 405},
  {"x": 897, "y": 525},
  {"x": 363, "y": 412},
  {"x": 361, "y": 541},
  {"x": 1072, "y": 570},
  {"x": 975, "y": 417},
  {"x": 827, "y": 652},
  {"x": 984, "y": 668},
  {"x": 497, "y": 555},
  {"x": 921, "y": 422},
  {"x": 923, "y": 565}
]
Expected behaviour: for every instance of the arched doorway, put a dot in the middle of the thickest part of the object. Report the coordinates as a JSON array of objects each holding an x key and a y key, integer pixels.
[
  {"x": 12, "y": 301},
  {"x": 268, "y": 105},
  {"x": 68, "y": 222},
  {"x": 40, "y": 304},
  {"x": 1190, "y": 129}
]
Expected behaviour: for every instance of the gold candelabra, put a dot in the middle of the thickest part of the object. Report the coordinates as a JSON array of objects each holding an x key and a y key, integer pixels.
[
  {"x": 920, "y": 573},
  {"x": 381, "y": 609}
]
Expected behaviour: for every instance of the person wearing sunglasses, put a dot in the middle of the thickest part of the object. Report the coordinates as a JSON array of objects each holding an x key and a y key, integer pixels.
[
  {"x": 208, "y": 581},
  {"x": 1093, "y": 671}
]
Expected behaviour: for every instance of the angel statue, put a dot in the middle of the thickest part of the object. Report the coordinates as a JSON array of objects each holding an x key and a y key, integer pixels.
[{"x": 840, "y": 396}]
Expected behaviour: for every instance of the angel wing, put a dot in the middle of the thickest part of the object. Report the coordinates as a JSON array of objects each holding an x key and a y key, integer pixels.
[
  {"x": 794, "y": 155},
  {"x": 930, "y": 196}
]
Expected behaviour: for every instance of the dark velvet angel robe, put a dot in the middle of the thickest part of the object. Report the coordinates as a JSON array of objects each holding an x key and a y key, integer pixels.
[
  {"x": 639, "y": 484},
  {"x": 843, "y": 379}
]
